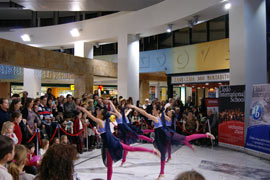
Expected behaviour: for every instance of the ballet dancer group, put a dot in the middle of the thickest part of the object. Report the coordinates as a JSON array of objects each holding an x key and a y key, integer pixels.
[{"x": 115, "y": 149}]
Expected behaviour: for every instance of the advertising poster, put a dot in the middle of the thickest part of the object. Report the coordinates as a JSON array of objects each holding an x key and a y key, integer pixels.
[
  {"x": 258, "y": 132},
  {"x": 231, "y": 128},
  {"x": 212, "y": 104}
]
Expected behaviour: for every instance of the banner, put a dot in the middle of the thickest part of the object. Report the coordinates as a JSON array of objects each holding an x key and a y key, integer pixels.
[
  {"x": 258, "y": 132},
  {"x": 231, "y": 115}
]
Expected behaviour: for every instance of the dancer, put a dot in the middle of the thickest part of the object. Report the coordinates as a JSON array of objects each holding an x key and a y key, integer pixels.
[
  {"x": 127, "y": 134},
  {"x": 163, "y": 135},
  {"x": 111, "y": 145}
]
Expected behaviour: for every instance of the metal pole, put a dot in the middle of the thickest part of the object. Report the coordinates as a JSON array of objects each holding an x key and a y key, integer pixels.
[
  {"x": 37, "y": 145},
  {"x": 58, "y": 131},
  {"x": 87, "y": 138},
  {"x": 209, "y": 129}
]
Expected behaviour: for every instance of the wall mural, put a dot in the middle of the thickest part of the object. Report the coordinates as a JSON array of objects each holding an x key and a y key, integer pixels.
[{"x": 209, "y": 56}]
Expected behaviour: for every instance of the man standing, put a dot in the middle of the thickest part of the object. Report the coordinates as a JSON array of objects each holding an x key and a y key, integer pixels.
[
  {"x": 69, "y": 106},
  {"x": 46, "y": 115},
  {"x": 4, "y": 114}
]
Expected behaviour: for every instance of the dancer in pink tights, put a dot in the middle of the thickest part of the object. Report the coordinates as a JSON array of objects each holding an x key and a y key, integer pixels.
[{"x": 163, "y": 135}]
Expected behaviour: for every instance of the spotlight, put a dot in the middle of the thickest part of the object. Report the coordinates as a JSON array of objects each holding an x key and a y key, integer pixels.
[
  {"x": 169, "y": 29},
  {"x": 96, "y": 45},
  {"x": 190, "y": 24},
  {"x": 75, "y": 32},
  {"x": 26, "y": 37},
  {"x": 227, "y": 6}
]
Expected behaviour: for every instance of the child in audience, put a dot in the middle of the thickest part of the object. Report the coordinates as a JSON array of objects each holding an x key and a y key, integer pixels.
[
  {"x": 33, "y": 160},
  {"x": 16, "y": 167},
  {"x": 7, "y": 130},
  {"x": 16, "y": 119},
  {"x": 6, "y": 155},
  {"x": 64, "y": 139},
  {"x": 56, "y": 141},
  {"x": 44, "y": 146}
]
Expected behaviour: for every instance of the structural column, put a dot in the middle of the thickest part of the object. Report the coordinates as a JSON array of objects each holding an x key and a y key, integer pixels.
[
  {"x": 128, "y": 66},
  {"x": 83, "y": 83},
  {"x": 248, "y": 58},
  {"x": 32, "y": 82}
]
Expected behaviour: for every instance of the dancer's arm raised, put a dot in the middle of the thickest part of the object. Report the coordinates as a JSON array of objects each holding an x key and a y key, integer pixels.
[
  {"x": 167, "y": 118},
  {"x": 116, "y": 113},
  {"x": 149, "y": 116},
  {"x": 89, "y": 114}
]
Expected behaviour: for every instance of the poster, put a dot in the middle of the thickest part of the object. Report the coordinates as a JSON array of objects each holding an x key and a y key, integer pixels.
[
  {"x": 231, "y": 128},
  {"x": 212, "y": 104},
  {"x": 258, "y": 131}
]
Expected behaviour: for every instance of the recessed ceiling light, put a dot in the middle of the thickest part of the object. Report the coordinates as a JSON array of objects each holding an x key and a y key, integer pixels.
[
  {"x": 75, "y": 32},
  {"x": 227, "y": 6},
  {"x": 26, "y": 37}
]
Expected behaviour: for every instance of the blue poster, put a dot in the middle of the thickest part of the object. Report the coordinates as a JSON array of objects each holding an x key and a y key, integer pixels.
[{"x": 258, "y": 132}]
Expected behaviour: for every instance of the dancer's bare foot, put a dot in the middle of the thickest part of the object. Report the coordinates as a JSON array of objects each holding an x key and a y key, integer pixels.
[
  {"x": 211, "y": 136},
  {"x": 160, "y": 177},
  {"x": 169, "y": 158},
  {"x": 156, "y": 152}
]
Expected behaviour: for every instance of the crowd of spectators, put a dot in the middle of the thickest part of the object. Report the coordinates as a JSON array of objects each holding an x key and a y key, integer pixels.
[{"x": 57, "y": 121}]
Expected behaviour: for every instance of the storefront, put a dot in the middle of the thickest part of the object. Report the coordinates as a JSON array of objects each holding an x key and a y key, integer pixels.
[{"x": 197, "y": 85}]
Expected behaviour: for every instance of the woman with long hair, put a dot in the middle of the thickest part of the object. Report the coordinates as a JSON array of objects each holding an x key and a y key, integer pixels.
[
  {"x": 163, "y": 135},
  {"x": 112, "y": 150}
]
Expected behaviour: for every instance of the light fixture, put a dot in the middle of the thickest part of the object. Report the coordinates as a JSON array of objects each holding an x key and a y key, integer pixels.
[
  {"x": 227, "y": 6},
  {"x": 26, "y": 37},
  {"x": 206, "y": 84},
  {"x": 169, "y": 29},
  {"x": 75, "y": 32},
  {"x": 193, "y": 21},
  {"x": 224, "y": 0}
]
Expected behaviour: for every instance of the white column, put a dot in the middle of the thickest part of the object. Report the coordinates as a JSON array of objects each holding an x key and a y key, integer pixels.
[
  {"x": 128, "y": 66},
  {"x": 83, "y": 83},
  {"x": 84, "y": 49},
  {"x": 248, "y": 58},
  {"x": 32, "y": 82}
]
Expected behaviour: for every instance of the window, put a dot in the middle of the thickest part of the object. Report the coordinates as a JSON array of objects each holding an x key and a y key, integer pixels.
[
  {"x": 199, "y": 33},
  {"x": 217, "y": 28},
  {"x": 150, "y": 43},
  {"x": 165, "y": 40},
  {"x": 181, "y": 37},
  {"x": 108, "y": 49}
]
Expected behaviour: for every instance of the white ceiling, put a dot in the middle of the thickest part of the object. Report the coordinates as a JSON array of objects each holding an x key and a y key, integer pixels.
[{"x": 85, "y": 5}]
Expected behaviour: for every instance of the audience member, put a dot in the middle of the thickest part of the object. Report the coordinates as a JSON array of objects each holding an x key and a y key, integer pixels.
[
  {"x": 57, "y": 163},
  {"x": 16, "y": 167},
  {"x": 6, "y": 155},
  {"x": 4, "y": 114},
  {"x": 190, "y": 175},
  {"x": 8, "y": 130}
]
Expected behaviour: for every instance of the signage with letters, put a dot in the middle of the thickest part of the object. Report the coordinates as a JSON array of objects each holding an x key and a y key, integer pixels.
[{"x": 219, "y": 77}]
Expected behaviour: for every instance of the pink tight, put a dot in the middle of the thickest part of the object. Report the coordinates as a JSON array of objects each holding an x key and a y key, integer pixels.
[
  {"x": 146, "y": 131},
  {"x": 145, "y": 138},
  {"x": 193, "y": 137},
  {"x": 188, "y": 138},
  {"x": 126, "y": 148},
  {"x": 132, "y": 149}
]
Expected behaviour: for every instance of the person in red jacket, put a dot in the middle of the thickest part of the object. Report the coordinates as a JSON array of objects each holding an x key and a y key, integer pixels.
[
  {"x": 16, "y": 119},
  {"x": 78, "y": 127}
]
